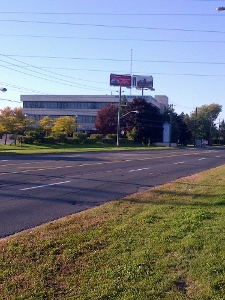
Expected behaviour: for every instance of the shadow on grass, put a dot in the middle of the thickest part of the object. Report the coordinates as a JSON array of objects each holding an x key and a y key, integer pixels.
[{"x": 179, "y": 198}]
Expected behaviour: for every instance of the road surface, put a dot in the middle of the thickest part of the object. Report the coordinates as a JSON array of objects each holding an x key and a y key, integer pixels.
[{"x": 35, "y": 189}]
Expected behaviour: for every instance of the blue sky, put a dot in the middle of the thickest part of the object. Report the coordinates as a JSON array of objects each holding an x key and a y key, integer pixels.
[{"x": 71, "y": 47}]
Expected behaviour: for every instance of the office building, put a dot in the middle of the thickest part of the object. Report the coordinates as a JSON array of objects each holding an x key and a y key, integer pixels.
[{"x": 84, "y": 107}]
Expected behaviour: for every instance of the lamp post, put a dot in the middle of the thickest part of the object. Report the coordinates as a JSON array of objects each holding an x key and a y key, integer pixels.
[
  {"x": 118, "y": 122},
  {"x": 171, "y": 124},
  {"x": 220, "y": 8},
  {"x": 118, "y": 119},
  {"x": 2, "y": 89}
]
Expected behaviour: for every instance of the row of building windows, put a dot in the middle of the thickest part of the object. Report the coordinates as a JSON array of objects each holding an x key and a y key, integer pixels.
[
  {"x": 64, "y": 105},
  {"x": 81, "y": 119}
]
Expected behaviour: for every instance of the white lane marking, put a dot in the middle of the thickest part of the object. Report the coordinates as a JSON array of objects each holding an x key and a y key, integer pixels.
[
  {"x": 44, "y": 185},
  {"x": 139, "y": 170},
  {"x": 217, "y": 156},
  {"x": 202, "y": 158},
  {"x": 179, "y": 162}
]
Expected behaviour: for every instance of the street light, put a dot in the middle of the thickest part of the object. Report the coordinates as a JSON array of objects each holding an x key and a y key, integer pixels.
[
  {"x": 220, "y": 8},
  {"x": 132, "y": 111},
  {"x": 118, "y": 124},
  {"x": 2, "y": 89}
]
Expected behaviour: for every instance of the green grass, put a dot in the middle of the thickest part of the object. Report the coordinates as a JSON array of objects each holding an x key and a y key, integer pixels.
[
  {"x": 66, "y": 148},
  {"x": 166, "y": 243}
]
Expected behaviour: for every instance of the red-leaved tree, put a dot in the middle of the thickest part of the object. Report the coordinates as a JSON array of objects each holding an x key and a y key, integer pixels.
[{"x": 106, "y": 121}]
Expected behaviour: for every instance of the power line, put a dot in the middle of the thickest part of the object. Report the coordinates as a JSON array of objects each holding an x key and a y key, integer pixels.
[
  {"x": 114, "y": 26},
  {"x": 43, "y": 69},
  {"x": 10, "y": 100},
  {"x": 116, "y": 60},
  {"x": 57, "y": 80},
  {"x": 108, "y": 14},
  {"x": 111, "y": 14},
  {"x": 111, "y": 39}
]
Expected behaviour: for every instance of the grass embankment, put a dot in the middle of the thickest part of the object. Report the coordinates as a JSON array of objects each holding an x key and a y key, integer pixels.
[
  {"x": 67, "y": 148},
  {"x": 166, "y": 243}
]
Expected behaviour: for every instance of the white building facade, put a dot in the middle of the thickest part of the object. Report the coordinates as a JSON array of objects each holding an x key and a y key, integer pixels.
[{"x": 83, "y": 107}]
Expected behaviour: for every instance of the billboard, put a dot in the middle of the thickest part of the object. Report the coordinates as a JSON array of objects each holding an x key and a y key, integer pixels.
[
  {"x": 142, "y": 82},
  {"x": 120, "y": 80}
]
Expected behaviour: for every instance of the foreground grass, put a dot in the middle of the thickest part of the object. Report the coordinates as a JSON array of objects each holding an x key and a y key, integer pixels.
[
  {"x": 66, "y": 148},
  {"x": 166, "y": 243}
]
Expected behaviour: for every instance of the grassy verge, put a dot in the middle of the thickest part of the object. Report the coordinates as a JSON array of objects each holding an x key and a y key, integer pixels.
[
  {"x": 166, "y": 243},
  {"x": 66, "y": 148}
]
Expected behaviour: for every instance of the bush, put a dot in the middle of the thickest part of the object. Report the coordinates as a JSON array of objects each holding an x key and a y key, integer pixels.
[
  {"x": 97, "y": 137},
  {"x": 49, "y": 140},
  {"x": 126, "y": 141},
  {"x": 74, "y": 141},
  {"x": 60, "y": 137},
  {"x": 27, "y": 139},
  {"x": 112, "y": 136},
  {"x": 80, "y": 136},
  {"x": 91, "y": 141},
  {"x": 108, "y": 141},
  {"x": 35, "y": 135}
]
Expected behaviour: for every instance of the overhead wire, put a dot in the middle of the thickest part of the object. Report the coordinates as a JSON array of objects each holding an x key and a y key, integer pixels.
[
  {"x": 110, "y": 14},
  {"x": 113, "y": 26},
  {"x": 65, "y": 82},
  {"x": 111, "y": 39},
  {"x": 114, "y": 59},
  {"x": 61, "y": 81}
]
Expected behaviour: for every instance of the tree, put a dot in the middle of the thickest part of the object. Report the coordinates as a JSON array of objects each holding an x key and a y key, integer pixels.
[
  {"x": 180, "y": 130},
  {"x": 46, "y": 125},
  {"x": 221, "y": 132},
  {"x": 106, "y": 121},
  {"x": 148, "y": 122},
  {"x": 64, "y": 125},
  {"x": 13, "y": 121},
  {"x": 132, "y": 135},
  {"x": 201, "y": 121}
]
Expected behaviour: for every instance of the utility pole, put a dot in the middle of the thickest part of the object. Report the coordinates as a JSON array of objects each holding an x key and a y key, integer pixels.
[
  {"x": 118, "y": 120},
  {"x": 210, "y": 131},
  {"x": 196, "y": 114},
  {"x": 219, "y": 132},
  {"x": 170, "y": 127}
]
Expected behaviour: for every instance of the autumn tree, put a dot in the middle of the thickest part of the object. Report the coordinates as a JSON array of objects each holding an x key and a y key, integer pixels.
[
  {"x": 106, "y": 121},
  {"x": 13, "y": 121},
  {"x": 46, "y": 125},
  {"x": 64, "y": 125}
]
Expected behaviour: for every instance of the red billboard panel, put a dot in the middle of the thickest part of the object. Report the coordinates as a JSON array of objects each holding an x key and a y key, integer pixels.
[{"x": 120, "y": 80}]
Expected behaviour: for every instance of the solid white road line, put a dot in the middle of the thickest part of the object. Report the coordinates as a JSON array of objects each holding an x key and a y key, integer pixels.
[
  {"x": 180, "y": 162},
  {"x": 45, "y": 185}
]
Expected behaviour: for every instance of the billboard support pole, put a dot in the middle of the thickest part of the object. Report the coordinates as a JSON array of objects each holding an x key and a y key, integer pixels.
[{"x": 118, "y": 120}]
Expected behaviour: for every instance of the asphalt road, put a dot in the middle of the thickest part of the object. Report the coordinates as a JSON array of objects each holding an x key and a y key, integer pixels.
[{"x": 35, "y": 189}]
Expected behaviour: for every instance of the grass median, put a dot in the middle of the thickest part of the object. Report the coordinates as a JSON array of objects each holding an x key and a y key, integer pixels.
[
  {"x": 165, "y": 243},
  {"x": 67, "y": 148}
]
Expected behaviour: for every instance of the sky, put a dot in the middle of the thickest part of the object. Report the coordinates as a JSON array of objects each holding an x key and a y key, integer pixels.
[{"x": 70, "y": 48}]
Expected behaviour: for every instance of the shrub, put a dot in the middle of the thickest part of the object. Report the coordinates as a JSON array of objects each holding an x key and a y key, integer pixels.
[
  {"x": 35, "y": 135},
  {"x": 112, "y": 136},
  {"x": 49, "y": 140},
  {"x": 97, "y": 137},
  {"x": 91, "y": 141},
  {"x": 126, "y": 141},
  {"x": 27, "y": 139},
  {"x": 80, "y": 136},
  {"x": 60, "y": 137},
  {"x": 108, "y": 141}
]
